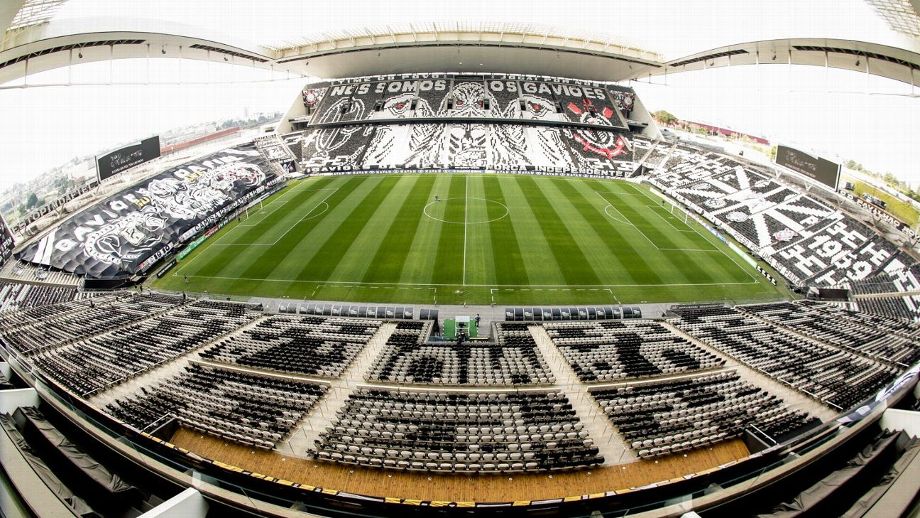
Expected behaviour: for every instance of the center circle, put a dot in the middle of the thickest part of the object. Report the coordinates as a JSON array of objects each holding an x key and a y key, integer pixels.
[{"x": 439, "y": 210}]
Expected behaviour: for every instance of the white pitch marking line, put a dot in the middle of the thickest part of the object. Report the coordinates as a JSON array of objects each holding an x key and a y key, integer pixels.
[
  {"x": 633, "y": 225},
  {"x": 706, "y": 238},
  {"x": 531, "y": 286},
  {"x": 305, "y": 216}
]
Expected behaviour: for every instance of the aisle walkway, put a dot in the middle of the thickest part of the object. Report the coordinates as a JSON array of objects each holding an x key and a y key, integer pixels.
[
  {"x": 610, "y": 443},
  {"x": 323, "y": 414}
]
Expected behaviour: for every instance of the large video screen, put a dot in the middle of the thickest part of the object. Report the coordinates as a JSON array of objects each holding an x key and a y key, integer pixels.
[
  {"x": 110, "y": 164},
  {"x": 816, "y": 168}
]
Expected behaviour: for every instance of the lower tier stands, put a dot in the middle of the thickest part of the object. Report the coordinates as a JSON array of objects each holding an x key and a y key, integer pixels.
[
  {"x": 805, "y": 239},
  {"x": 494, "y": 147},
  {"x": 616, "y": 349},
  {"x": 47, "y": 327},
  {"x": 92, "y": 365},
  {"x": 458, "y": 432},
  {"x": 244, "y": 408},
  {"x": 896, "y": 341},
  {"x": 312, "y": 345},
  {"x": 829, "y": 374},
  {"x": 664, "y": 417},
  {"x": 409, "y": 357},
  {"x": 900, "y": 308}
]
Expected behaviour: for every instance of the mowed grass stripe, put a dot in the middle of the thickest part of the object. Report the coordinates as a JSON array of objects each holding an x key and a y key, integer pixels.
[
  {"x": 420, "y": 262},
  {"x": 394, "y": 246},
  {"x": 677, "y": 267},
  {"x": 709, "y": 267},
  {"x": 286, "y": 259},
  {"x": 507, "y": 261},
  {"x": 623, "y": 251},
  {"x": 572, "y": 262},
  {"x": 536, "y": 253},
  {"x": 480, "y": 257},
  {"x": 276, "y": 205},
  {"x": 671, "y": 236},
  {"x": 449, "y": 262},
  {"x": 727, "y": 265},
  {"x": 357, "y": 259},
  {"x": 330, "y": 253},
  {"x": 268, "y": 228},
  {"x": 576, "y": 222},
  {"x": 239, "y": 255}
]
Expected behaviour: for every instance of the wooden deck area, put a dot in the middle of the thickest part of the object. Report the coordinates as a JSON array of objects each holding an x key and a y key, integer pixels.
[{"x": 454, "y": 487}]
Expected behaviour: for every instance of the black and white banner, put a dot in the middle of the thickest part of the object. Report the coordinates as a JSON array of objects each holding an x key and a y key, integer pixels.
[{"x": 128, "y": 232}]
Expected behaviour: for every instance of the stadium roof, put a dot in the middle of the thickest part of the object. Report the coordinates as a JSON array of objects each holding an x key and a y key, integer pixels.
[{"x": 604, "y": 39}]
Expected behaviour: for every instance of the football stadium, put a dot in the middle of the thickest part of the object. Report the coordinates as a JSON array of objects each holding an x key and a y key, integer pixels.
[{"x": 470, "y": 270}]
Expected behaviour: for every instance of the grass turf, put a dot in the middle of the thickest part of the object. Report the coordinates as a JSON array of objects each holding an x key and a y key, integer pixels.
[{"x": 503, "y": 239}]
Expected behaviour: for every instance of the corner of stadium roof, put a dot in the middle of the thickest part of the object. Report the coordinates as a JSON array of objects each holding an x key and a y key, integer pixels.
[
  {"x": 877, "y": 59},
  {"x": 894, "y": 54}
]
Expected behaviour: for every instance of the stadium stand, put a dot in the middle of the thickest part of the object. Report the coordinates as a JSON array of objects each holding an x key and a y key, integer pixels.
[
  {"x": 885, "y": 339},
  {"x": 664, "y": 417},
  {"x": 16, "y": 295},
  {"x": 176, "y": 207},
  {"x": 907, "y": 308},
  {"x": 613, "y": 349},
  {"x": 64, "y": 323},
  {"x": 92, "y": 365},
  {"x": 240, "y": 407},
  {"x": 458, "y": 432},
  {"x": 312, "y": 345},
  {"x": 805, "y": 240},
  {"x": 512, "y": 360},
  {"x": 837, "y": 377}
]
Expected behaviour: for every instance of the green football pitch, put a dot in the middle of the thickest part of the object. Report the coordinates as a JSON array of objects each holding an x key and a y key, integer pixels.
[{"x": 475, "y": 239}]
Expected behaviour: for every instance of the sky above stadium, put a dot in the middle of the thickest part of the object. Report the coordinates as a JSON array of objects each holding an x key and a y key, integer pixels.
[{"x": 838, "y": 114}]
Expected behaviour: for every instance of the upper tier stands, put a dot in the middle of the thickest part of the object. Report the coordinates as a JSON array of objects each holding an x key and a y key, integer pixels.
[
  {"x": 458, "y": 432},
  {"x": 615, "y": 349},
  {"x": 670, "y": 416},
  {"x": 838, "y": 377},
  {"x": 311, "y": 345},
  {"x": 507, "y": 96},
  {"x": 244, "y": 408},
  {"x": 158, "y": 213},
  {"x": 409, "y": 357}
]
